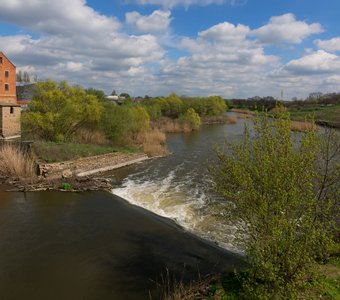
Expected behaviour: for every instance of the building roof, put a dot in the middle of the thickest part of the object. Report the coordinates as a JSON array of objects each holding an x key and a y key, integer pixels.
[
  {"x": 4, "y": 104},
  {"x": 7, "y": 59}
]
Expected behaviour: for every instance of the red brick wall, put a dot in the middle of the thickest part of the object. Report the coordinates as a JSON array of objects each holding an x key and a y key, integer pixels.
[{"x": 8, "y": 96}]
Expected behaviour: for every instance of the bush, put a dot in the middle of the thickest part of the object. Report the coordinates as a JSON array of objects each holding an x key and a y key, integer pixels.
[
  {"x": 57, "y": 111},
  {"x": 191, "y": 118},
  {"x": 283, "y": 199}
]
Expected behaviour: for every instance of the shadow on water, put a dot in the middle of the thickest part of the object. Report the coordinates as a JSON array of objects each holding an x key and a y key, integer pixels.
[{"x": 94, "y": 246}]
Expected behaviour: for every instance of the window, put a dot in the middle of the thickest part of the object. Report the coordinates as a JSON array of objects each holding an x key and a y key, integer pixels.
[
  {"x": 6, "y": 74},
  {"x": 6, "y": 87},
  {"x": 0, "y": 60},
  {"x": 11, "y": 110}
]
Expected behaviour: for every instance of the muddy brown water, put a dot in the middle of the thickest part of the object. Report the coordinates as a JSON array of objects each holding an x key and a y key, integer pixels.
[{"x": 56, "y": 245}]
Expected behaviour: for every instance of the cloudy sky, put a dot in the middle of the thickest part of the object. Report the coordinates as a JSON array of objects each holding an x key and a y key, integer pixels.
[{"x": 232, "y": 48}]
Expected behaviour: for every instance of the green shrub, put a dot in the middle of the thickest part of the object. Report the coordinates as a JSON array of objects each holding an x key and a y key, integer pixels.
[{"x": 282, "y": 196}]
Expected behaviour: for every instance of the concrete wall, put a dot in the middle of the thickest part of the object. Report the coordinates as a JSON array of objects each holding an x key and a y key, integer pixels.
[{"x": 10, "y": 121}]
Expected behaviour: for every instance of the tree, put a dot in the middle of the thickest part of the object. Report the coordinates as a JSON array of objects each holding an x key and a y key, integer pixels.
[
  {"x": 19, "y": 77},
  {"x": 95, "y": 92},
  {"x": 26, "y": 78},
  {"x": 191, "y": 118},
  {"x": 125, "y": 95},
  {"x": 113, "y": 93},
  {"x": 122, "y": 123},
  {"x": 282, "y": 195},
  {"x": 57, "y": 111}
]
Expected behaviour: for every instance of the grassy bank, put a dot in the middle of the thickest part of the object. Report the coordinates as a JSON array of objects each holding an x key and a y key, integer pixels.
[
  {"x": 325, "y": 285},
  {"x": 56, "y": 152},
  {"x": 323, "y": 114}
]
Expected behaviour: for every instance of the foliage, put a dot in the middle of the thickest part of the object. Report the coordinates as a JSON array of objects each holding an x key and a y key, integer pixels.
[
  {"x": 66, "y": 186},
  {"x": 191, "y": 118},
  {"x": 174, "y": 106},
  {"x": 282, "y": 197},
  {"x": 125, "y": 95},
  {"x": 58, "y": 110},
  {"x": 95, "y": 92},
  {"x": 121, "y": 124}
]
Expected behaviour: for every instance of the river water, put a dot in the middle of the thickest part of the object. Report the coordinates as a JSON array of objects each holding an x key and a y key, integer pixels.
[
  {"x": 178, "y": 186},
  {"x": 97, "y": 245}
]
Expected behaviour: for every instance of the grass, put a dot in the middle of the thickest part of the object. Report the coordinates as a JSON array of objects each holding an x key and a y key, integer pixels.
[
  {"x": 14, "y": 162},
  {"x": 229, "y": 286},
  {"x": 327, "y": 115},
  {"x": 56, "y": 152}
]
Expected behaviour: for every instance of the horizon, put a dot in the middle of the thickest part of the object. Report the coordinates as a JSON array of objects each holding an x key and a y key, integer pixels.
[{"x": 231, "y": 48}]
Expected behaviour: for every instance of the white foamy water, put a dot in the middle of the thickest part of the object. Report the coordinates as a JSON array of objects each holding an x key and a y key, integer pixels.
[
  {"x": 182, "y": 199},
  {"x": 178, "y": 186}
]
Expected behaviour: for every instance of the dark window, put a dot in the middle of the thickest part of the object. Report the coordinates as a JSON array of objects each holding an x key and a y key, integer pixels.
[
  {"x": 6, "y": 74},
  {"x": 0, "y": 60},
  {"x": 6, "y": 87},
  {"x": 11, "y": 110}
]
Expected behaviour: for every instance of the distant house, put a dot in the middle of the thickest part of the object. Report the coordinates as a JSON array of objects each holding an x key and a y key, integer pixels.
[
  {"x": 9, "y": 109},
  {"x": 25, "y": 95},
  {"x": 116, "y": 99}
]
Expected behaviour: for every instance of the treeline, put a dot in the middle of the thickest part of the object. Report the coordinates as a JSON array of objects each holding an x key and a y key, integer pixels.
[
  {"x": 59, "y": 112},
  {"x": 268, "y": 103}
]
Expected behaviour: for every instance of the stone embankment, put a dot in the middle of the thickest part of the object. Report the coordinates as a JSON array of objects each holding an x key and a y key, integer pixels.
[
  {"x": 74, "y": 175},
  {"x": 88, "y": 165}
]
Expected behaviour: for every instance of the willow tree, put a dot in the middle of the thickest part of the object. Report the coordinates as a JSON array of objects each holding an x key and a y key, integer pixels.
[
  {"x": 57, "y": 111},
  {"x": 282, "y": 191}
]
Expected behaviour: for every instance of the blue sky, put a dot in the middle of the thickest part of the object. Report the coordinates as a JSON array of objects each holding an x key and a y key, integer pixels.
[{"x": 232, "y": 48}]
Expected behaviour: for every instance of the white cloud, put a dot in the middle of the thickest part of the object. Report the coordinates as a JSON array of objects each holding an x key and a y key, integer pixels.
[
  {"x": 225, "y": 32},
  {"x": 186, "y": 3},
  {"x": 286, "y": 29},
  {"x": 157, "y": 22},
  {"x": 76, "y": 43},
  {"x": 329, "y": 45},
  {"x": 316, "y": 63}
]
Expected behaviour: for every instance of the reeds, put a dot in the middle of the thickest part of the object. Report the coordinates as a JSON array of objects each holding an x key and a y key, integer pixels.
[
  {"x": 85, "y": 136},
  {"x": 303, "y": 126},
  {"x": 219, "y": 120},
  {"x": 244, "y": 111},
  {"x": 153, "y": 142},
  {"x": 15, "y": 163}
]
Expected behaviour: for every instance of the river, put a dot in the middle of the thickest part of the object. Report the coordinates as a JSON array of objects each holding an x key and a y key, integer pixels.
[
  {"x": 97, "y": 245},
  {"x": 178, "y": 186}
]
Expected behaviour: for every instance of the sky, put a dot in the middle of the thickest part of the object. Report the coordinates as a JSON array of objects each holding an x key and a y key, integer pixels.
[{"x": 231, "y": 48}]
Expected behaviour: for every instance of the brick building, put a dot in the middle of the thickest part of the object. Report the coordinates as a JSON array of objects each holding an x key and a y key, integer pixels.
[{"x": 9, "y": 109}]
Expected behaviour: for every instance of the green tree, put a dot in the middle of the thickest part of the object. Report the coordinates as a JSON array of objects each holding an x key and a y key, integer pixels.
[
  {"x": 19, "y": 77},
  {"x": 125, "y": 95},
  {"x": 122, "y": 124},
  {"x": 174, "y": 106},
  {"x": 191, "y": 118},
  {"x": 95, "y": 92},
  {"x": 57, "y": 111},
  {"x": 282, "y": 196}
]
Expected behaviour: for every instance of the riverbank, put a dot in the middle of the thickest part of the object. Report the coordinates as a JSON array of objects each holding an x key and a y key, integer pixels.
[{"x": 81, "y": 174}]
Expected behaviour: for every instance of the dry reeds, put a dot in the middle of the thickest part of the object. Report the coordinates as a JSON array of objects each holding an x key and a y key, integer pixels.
[
  {"x": 303, "y": 126},
  {"x": 244, "y": 111},
  {"x": 167, "y": 125},
  {"x": 15, "y": 163},
  {"x": 231, "y": 120},
  {"x": 219, "y": 120},
  {"x": 278, "y": 110},
  {"x": 85, "y": 136},
  {"x": 153, "y": 143}
]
